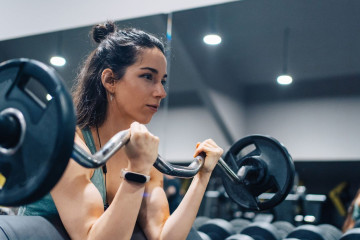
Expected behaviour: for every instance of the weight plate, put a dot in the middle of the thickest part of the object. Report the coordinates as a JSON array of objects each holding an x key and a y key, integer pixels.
[
  {"x": 199, "y": 221},
  {"x": 217, "y": 229},
  {"x": 284, "y": 228},
  {"x": 239, "y": 237},
  {"x": 37, "y": 93},
  {"x": 262, "y": 231},
  {"x": 274, "y": 172},
  {"x": 330, "y": 232},
  {"x": 307, "y": 231},
  {"x": 351, "y": 234},
  {"x": 239, "y": 224}
]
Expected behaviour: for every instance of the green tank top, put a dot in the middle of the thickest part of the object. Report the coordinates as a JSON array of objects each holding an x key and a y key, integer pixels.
[
  {"x": 356, "y": 212},
  {"x": 46, "y": 206}
]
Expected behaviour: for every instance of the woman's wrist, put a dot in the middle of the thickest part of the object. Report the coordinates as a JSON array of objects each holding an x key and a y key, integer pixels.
[
  {"x": 203, "y": 175},
  {"x": 141, "y": 169}
]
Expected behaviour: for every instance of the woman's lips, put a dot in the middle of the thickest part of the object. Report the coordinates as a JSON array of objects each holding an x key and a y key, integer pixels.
[{"x": 154, "y": 108}]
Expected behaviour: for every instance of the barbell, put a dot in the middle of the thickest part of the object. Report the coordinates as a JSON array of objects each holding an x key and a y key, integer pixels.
[{"x": 37, "y": 129}]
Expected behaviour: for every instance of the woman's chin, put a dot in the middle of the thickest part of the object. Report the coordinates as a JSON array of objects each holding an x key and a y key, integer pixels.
[{"x": 144, "y": 120}]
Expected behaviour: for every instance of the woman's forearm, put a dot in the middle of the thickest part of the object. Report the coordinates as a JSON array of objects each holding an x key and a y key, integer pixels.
[
  {"x": 179, "y": 224},
  {"x": 118, "y": 221}
]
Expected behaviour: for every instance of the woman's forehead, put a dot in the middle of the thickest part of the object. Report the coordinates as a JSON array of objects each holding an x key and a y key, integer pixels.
[{"x": 151, "y": 57}]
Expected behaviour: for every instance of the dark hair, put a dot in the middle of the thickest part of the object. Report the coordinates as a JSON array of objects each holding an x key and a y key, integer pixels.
[{"x": 117, "y": 50}]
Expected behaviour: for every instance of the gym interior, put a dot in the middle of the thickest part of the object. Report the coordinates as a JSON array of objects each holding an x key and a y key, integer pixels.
[{"x": 231, "y": 89}]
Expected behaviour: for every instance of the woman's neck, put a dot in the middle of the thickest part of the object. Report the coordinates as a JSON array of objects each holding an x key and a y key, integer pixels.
[{"x": 113, "y": 124}]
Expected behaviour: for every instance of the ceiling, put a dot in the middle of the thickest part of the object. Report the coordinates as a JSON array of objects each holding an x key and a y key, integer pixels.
[
  {"x": 323, "y": 51},
  {"x": 26, "y": 18}
]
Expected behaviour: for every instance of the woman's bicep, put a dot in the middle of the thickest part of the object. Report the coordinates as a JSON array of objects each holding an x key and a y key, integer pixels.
[{"x": 77, "y": 200}]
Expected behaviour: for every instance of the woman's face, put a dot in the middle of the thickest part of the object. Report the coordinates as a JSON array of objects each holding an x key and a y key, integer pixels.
[{"x": 139, "y": 92}]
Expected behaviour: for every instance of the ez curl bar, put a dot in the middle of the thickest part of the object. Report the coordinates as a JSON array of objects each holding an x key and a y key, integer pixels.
[{"x": 37, "y": 128}]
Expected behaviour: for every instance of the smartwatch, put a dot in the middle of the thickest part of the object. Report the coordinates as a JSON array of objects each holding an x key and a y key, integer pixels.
[{"x": 134, "y": 177}]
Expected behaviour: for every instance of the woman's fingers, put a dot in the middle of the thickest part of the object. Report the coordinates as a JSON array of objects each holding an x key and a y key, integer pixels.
[
  {"x": 209, "y": 147},
  {"x": 142, "y": 148},
  {"x": 213, "y": 153}
]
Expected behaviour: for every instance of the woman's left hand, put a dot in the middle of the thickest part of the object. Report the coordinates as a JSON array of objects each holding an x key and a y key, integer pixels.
[{"x": 213, "y": 153}]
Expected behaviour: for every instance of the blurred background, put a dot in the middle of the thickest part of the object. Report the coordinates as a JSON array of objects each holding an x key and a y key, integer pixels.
[{"x": 229, "y": 90}]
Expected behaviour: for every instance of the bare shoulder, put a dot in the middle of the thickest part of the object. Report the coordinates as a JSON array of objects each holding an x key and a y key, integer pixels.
[
  {"x": 75, "y": 191},
  {"x": 74, "y": 170}
]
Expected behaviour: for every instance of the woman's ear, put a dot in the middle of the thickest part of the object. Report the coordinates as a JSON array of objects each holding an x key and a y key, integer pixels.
[{"x": 108, "y": 80}]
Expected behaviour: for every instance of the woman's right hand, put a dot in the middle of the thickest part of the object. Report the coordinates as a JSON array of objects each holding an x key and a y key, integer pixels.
[{"x": 142, "y": 149}]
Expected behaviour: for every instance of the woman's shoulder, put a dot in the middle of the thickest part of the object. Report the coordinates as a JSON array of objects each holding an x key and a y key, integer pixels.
[
  {"x": 77, "y": 168},
  {"x": 78, "y": 133}
]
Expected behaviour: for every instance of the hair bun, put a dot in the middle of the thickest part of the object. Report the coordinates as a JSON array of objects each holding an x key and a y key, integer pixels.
[{"x": 101, "y": 31}]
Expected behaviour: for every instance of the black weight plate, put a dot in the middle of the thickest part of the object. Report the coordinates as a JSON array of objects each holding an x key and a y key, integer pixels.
[
  {"x": 239, "y": 237},
  {"x": 284, "y": 228},
  {"x": 35, "y": 167},
  {"x": 217, "y": 229},
  {"x": 239, "y": 224},
  {"x": 331, "y": 232},
  {"x": 204, "y": 236},
  {"x": 278, "y": 176},
  {"x": 262, "y": 231},
  {"x": 306, "y": 232},
  {"x": 351, "y": 234},
  {"x": 199, "y": 221}
]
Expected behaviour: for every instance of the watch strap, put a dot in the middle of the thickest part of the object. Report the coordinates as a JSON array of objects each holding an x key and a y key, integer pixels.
[{"x": 134, "y": 176}]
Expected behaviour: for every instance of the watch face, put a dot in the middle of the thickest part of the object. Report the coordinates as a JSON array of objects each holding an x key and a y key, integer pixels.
[{"x": 135, "y": 177}]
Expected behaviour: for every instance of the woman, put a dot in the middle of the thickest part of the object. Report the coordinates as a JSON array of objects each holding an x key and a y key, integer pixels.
[
  {"x": 121, "y": 86},
  {"x": 352, "y": 219}
]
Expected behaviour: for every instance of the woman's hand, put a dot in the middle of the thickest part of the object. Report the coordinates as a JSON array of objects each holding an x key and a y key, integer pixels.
[
  {"x": 177, "y": 226},
  {"x": 142, "y": 149},
  {"x": 213, "y": 153}
]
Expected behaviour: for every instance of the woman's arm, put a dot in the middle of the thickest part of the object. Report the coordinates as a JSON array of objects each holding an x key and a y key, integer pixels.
[
  {"x": 154, "y": 213},
  {"x": 81, "y": 208},
  {"x": 352, "y": 213},
  {"x": 80, "y": 205}
]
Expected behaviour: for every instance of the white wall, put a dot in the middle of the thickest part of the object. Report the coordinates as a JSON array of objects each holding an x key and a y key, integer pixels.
[
  {"x": 324, "y": 129},
  {"x": 182, "y": 129},
  {"x": 232, "y": 112}
]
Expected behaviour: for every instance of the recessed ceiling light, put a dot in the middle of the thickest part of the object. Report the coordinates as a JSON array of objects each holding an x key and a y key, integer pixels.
[
  {"x": 58, "y": 61},
  {"x": 284, "y": 80},
  {"x": 212, "y": 39},
  {"x": 48, "y": 97}
]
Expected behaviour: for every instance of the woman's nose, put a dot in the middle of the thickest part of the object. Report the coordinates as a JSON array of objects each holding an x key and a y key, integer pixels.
[{"x": 160, "y": 91}]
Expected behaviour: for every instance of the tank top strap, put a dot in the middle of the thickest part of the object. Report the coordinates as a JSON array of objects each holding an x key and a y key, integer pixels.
[
  {"x": 97, "y": 177},
  {"x": 89, "y": 139}
]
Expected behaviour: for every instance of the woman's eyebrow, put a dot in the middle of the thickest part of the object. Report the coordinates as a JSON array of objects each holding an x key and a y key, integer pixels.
[{"x": 153, "y": 70}]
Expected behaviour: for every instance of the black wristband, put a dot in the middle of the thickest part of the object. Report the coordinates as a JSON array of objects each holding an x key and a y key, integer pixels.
[{"x": 134, "y": 177}]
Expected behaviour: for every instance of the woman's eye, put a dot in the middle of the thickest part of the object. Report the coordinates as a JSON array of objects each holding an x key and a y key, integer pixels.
[
  {"x": 147, "y": 76},
  {"x": 163, "y": 82}
]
